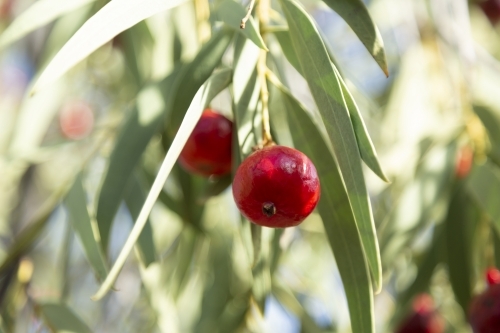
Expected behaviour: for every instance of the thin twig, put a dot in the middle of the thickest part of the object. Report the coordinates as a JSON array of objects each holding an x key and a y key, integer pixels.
[
  {"x": 247, "y": 16},
  {"x": 264, "y": 98}
]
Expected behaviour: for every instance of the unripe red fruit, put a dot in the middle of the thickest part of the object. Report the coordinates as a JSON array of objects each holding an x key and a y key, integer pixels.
[
  {"x": 276, "y": 187},
  {"x": 424, "y": 318},
  {"x": 491, "y": 9},
  {"x": 76, "y": 120},
  {"x": 464, "y": 163},
  {"x": 208, "y": 150}
]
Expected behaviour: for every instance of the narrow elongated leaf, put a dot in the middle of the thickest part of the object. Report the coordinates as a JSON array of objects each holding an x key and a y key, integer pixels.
[
  {"x": 355, "y": 13},
  {"x": 194, "y": 75},
  {"x": 460, "y": 228},
  {"x": 131, "y": 143},
  {"x": 231, "y": 13},
  {"x": 60, "y": 318},
  {"x": 327, "y": 92},
  {"x": 134, "y": 198},
  {"x": 491, "y": 121},
  {"x": 39, "y": 14},
  {"x": 115, "y": 17},
  {"x": 337, "y": 216},
  {"x": 426, "y": 268},
  {"x": 76, "y": 203},
  {"x": 211, "y": 88},
  {"x": 484, "y": 185},
  {"x": 366, "y": 148}
]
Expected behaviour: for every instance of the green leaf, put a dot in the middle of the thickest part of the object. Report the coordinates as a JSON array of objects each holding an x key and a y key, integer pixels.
[
  {"x": 214, "y": 187},
  {"x": 194, "y": 75},
  {"x": 491, "y": 120},
  {"x": 140, "y": 127},
  {"x": 115, "y": 17},
  {"x": 134, "y": 199},
  {"x": 211, "y": 88},
  {"x": 355, "y": 13},
  {"x": 231, "y": 13},
  {"x": 37, "y": 15},
  {"x": 460, "y": 229},
  {"x": 60, "y": 318},
  {"x": 366, "y": 148},
  {"x": 426, "y": 267},
  {"x": 246, "y": 90},
  {"x": 76, "y": 203},
  {"x": 327, "y": 92},
  {"x": 337, "y": 215},
  {"x": 484, "y": 185}
]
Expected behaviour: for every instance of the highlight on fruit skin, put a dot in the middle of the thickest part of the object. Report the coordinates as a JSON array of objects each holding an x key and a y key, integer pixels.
[
  {"x": 276, "y": 187},
  {"x": 76, "y": 120},
  {"x": 423, "y": 319},
  {"x": 208, "y": 151},
  {"x": 484, "y": 310}
]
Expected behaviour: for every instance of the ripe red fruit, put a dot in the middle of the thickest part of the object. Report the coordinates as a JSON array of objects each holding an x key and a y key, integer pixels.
[
  {"x": 464, "y": 164},
  {"x": 484, "y": 311},
  {"x": 424, "y": 318},
  {"x": 76, "y": 120},
  {"x": 493, "y": 276},
  {"x": 276, "y": 187},
  {"x": 491, "y": 9},
  {"x": 208, "y": 150}
]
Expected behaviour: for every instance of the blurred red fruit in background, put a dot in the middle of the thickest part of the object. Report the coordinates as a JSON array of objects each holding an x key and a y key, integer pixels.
[{"x": 76, "y": 120}]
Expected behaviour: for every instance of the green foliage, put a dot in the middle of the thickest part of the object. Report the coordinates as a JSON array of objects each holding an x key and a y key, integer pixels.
[{"x": 149, "y": 68}]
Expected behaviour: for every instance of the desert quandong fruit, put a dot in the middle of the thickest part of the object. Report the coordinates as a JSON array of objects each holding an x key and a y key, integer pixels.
[
  {"x": 208, "y": 150},
  {"x": 484, "y": 311},
  {"x": 276, "y": 187},
  {"x": 423, "y": 319},
  {"x": 76, "y": 120}
]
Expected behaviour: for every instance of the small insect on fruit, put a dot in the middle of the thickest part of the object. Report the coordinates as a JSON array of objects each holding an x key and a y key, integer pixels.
[
  {"x": 76, "y": 120},
  {"x": 208, "y": 150},
  {"x": 276, "y": 187},
  {"x": 423, "y": 319},
  {"x": 484, "y": 311}
]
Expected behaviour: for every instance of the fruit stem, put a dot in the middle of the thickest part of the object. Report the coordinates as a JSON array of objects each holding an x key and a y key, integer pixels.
[
  {"x": 247, "y": 16},
  {"x": 264, "y": 98}
]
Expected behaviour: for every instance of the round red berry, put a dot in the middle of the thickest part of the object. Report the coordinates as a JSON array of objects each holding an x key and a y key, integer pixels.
[
  {"x": 76, "y": 120},
  {"x": 464, "y": 163},
  {"x": 484, "y": 311},
  {"x": 493, "y": 276},
  {"x": 491, "y": 8},
  {"x": 208, "y": 150},
  {"x": 423, "y": 319},
  {"x": 276, "y": 187}
]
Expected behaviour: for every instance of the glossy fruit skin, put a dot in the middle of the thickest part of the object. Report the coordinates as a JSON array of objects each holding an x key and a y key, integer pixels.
[
  {"x": 484, "y": 312},
  {"x": 276, "y": 187},
  {"x": 76, "y": 120},
  {"x": 491, "y": 9},
  {"x": 423, "y": 319},
  {"x": 208, "y": 150}
]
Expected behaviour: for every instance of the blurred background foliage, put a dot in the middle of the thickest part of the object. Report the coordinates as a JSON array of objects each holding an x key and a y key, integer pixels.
[{"x": 67, "y": 205}]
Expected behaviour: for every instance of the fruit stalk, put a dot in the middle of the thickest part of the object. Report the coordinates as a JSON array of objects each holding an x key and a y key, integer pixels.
[{"x": 263, "y": 14}]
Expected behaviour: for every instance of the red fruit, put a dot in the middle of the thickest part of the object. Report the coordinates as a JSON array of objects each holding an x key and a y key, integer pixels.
[
  {"x": 484, "y": 311},
  {"x": 76, "y": 120},
  {"x": 208, "y": 150},
  {"x": 276, "y": 187},
  {"x": 424, "y": 318},
  {"x": 493, "y": 276},
  {"x": 491, "y": 9},
  {"x": 464, "y": 164}
]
